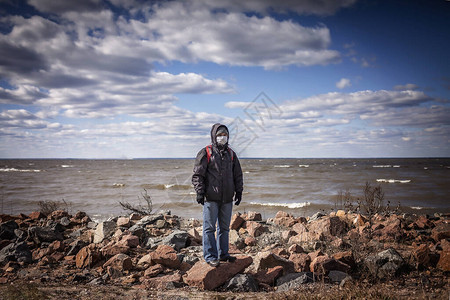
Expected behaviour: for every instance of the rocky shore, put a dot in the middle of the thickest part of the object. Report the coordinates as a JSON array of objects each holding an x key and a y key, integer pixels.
[{"x": 337, "y": 255}]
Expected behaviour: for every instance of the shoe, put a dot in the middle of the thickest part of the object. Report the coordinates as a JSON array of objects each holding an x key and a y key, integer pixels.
[
  {"x": 228, "y": 258},
  {"x": 214, "y": 263}
]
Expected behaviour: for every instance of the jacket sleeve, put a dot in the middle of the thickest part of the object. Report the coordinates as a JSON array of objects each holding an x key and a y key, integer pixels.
[
  {"x": 200, "y": 166},
  {"x": 237, "y": 176}
]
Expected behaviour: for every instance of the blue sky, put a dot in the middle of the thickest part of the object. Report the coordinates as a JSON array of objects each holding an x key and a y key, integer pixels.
[{"x": 132, "y": 79}]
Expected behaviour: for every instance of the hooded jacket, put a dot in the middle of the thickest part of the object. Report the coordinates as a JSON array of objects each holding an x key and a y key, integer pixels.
[{"x": 221, "y": 177}]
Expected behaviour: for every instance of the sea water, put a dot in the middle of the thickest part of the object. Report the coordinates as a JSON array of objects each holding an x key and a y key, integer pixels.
[{"x": 298, "y": 186}]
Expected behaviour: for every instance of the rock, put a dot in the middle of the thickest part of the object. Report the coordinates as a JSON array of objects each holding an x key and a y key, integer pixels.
[
  {"x": 137, "y": 230},
  {"x": 422, "y": 222},
  {"x": 300, "y": 228},
  {"x": 314, "y": 254},
  {"x": 385, "y": 264},
  {"x": 236, "y": 222},
  {"x": 121, "y": 262},
  {"x": 444, "y": 261},
  {"x": 254, "y": 229},
  {"x": 123, "y": 222},
  {"x": 284, "y": 219},
  {"x": 18, "y": 252},
  {"x": 204, "y": 276},
  {"x": 301, "y": 261},
  {"x": 250, "y": 241},
  {"x": 64, "y": 221},
  {"x": 113, "y": 249},
  {"x": 195, "y": 236},
  {"x": 104, "y": 230},
  {"x": 441, "y": 231},
  {"x": 58, "y": 214},
  {"x": 341, "y": 214},
  {"x": 166, "y": 256},
  {"x": 75, "y": 247},
  {"x": 147, "y": 220},
  {"x": 242, "y": 283},
  {"x": 267, "y": 260},
  {"x": 304, "y": 237},
  {"x": 422, "y": 256},
  {"x": 287, "y": 234},
  {"x": 280, "y": 251},
  {"x": 45, "y": 234},
  {"x": 329, "y": 226},
  {"x": 337, "y": 276},
  {"x": 252, "y": 216},
  {"x": 359, "y": 220},
  {"x": 322, "y": 265},
  {"x": 145, "y": 260},
  {"x": 7, "y": 230},
  {"x": 346, "y": 257},
  {"x": 163, "y": 282},
  {"x": 295, "y": 248},
  {"x": 87, "y": 257},
  {"x": 298, "y": 280},
  {"x": 316, "y": 216},
  {"x": 129, "y": 240},
  {"x": 392, "y": 230},
  {"x": 269, "y": 276},
  {"x": 177, "y": 239},
  {"x": 152, "y": 271},
  {"x": 37, "y": 215}
]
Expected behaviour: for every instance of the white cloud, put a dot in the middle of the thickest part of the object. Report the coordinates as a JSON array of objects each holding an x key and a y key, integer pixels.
[{"x": 343, "y": 83}]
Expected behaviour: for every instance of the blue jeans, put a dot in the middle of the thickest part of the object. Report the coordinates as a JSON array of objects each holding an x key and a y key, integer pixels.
[{"x": 214, "y": 212}]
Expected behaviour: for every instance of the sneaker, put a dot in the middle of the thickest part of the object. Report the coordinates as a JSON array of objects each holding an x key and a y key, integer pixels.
[
  {"x": 228, "y": 258},
  {"x": 214, "y": 263}
]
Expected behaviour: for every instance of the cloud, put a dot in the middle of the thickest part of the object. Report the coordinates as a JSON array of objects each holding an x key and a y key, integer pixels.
[
  {"x": 406, "y": 87},
  {"x": 343, "y": 83},
  {"x": 59, "y": 7}
]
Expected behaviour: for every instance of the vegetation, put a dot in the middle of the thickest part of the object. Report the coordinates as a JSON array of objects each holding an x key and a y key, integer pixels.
[
  {"x": 145, "y": 209},
  {"x": 47, "y": 206}
]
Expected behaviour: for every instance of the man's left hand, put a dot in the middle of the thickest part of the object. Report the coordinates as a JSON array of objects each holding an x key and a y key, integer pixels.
[{"x": 237, "y": 198}]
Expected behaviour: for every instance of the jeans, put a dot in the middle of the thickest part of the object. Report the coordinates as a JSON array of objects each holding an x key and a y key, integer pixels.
[{"x": 215, "y": 212}]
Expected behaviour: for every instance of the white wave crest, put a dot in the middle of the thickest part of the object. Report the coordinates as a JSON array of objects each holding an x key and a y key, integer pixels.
[
  {"x": 303, "y": 166},
  {"x": 17, "y": 170},
  {"x": 282, "y": 166},
  {"x": 394, "y": 180},
  {"x": 67, "y": 166},
  {"x": 288, "y": 205}
]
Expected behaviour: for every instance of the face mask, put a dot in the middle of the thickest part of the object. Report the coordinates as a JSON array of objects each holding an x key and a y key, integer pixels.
[{"x": 222, "y": 140}]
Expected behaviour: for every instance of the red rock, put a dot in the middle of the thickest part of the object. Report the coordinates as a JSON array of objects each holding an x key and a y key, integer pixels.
[
  {"x": 129, "y": 240},
  {"x": 346, "y": 257},
  {"x": 282, "y": 214},
  {"x": 194, "y": 235},
  {"x": 284, "y": 219},
  {"x": 166, "y": 256},
  {"x": 322, "y": 265},
  {"x": 236, "y": 222},
  {"x": 204, "y": 276},
  {"x": 250, "y": 241},
  {"x": 422, "y": 222},
  {"x": 300, "y": 228},
  {"x": 287, "y": 234},
  {"x": 39, "y": 253},
  {"x": 254, "y": 229},
  {"x": 121, "y": 262},
  {"x": 37, "y": 215},
  {"x": 359, "y": 220},
  {"x": 305, "y": 237},
  {"x": 113, "y": 249},
  {"x": 445, "y": 245},
  {"x": 269, "y": 276},
  {"x": 422, "y": 256},
  {"x": 87, "y": 257},
  {"x": 58, "y": 214},
  {"x": 266, "y": 260},
  {"x": 280, "y": 252},
  {"x": 152, "y": 271},
  {"x": 252, "y": 216},
  {"x": 315, "y": 254},
  {"x": 392, "y": 231},
  {"x": 441, "y": 231},
  {"x": 161, "y": 282},
  {"x": 295, "y": 248},
  {"x": 57, "y": 246},
  {"x": 444, "y": 261},
  {"x": 113, "y": 273},
  {"x": 57, "y": 256},
  {"x": 301, "y": 261},
  {"x": 328, "y": 226}
]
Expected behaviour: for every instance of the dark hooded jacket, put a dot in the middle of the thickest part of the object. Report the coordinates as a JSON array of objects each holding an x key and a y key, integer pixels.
[{"x": 221, "y": 177}]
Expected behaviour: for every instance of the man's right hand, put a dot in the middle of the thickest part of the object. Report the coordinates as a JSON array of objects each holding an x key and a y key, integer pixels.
[{"x": 200, "y": 199}]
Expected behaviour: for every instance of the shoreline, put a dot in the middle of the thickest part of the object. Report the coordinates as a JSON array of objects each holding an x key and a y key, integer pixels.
[{"x": 160, "y": 255}]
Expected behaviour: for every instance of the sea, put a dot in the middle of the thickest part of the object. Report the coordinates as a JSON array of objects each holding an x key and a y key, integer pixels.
[{"x": 300, "y": 187}]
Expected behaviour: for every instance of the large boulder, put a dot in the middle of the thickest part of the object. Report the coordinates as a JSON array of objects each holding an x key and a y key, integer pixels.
[
  {"x": 166, "y": 256},
  {"x": 325, "y": 227},
  {"x": 104, "y": 230},
  {"x": 177, "y": 239},
  {"x": 266, "y": 260},
  {"x": 88, "y": 257},
  {"x": 151, "y": 219},
  {"x": 15, "y": 252},
  {"x": 294, "y": 281},
  {"x": 204, "y": 276},
  {"x": 242, "y": 283},
  {"x": 45, "y": 234},
  {"x": 121, "y": 262},
  {"x": 7, "y": 230},
  {"x": 386, "y": 264}
]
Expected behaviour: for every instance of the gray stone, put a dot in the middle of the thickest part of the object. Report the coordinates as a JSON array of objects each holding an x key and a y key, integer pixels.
[
  {"x": 15, "y": 252},
  {"x": 76, "y": 246},
  {"x": 7, "y": 230},
  {"x": 152, "y": 243},
  {"x": 45, "y": 234},
  {"x": 147, "y": 220},
  {"x": 337, "y": 276},
  {"x": 65, "y": 221},
  {"x": 292, "y": 276},
  {"x": 304, "y": 278},
  {"x": 242, "y": 283},
  {"x": 190, "y": 259},
  {"x": 385, "y": 264},
  {"x": 104, "y": 230},
  {"x": 20, "y": 234},
  {"x": 316, "y": 216},
  {"x": 177, "y": 239},
  {"x": 137, "y": 230}
]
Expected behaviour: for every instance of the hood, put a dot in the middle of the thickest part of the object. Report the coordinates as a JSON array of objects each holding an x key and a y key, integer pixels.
[{"x": 214, "y": 130}]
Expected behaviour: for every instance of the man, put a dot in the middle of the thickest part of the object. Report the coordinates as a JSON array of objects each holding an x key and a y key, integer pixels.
[{"x": 217, "y": 181}]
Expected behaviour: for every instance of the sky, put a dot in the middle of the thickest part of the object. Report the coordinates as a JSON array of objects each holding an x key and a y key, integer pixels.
[{"x": 148, "y": 79}]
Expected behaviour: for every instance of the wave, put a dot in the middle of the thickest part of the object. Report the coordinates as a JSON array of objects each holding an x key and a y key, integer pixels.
[
  {"x": 67, "y": 166},
  {"x": 394, "y": 180},
  {"x": 116, "y": 185},
  {"x": 17, "y": 170},
  {"x": 303, "y": 166},
  {"x": 386, "y": 166},
  {"x": 288, "y": 205},
  {"x": 282, "y": 166}
]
